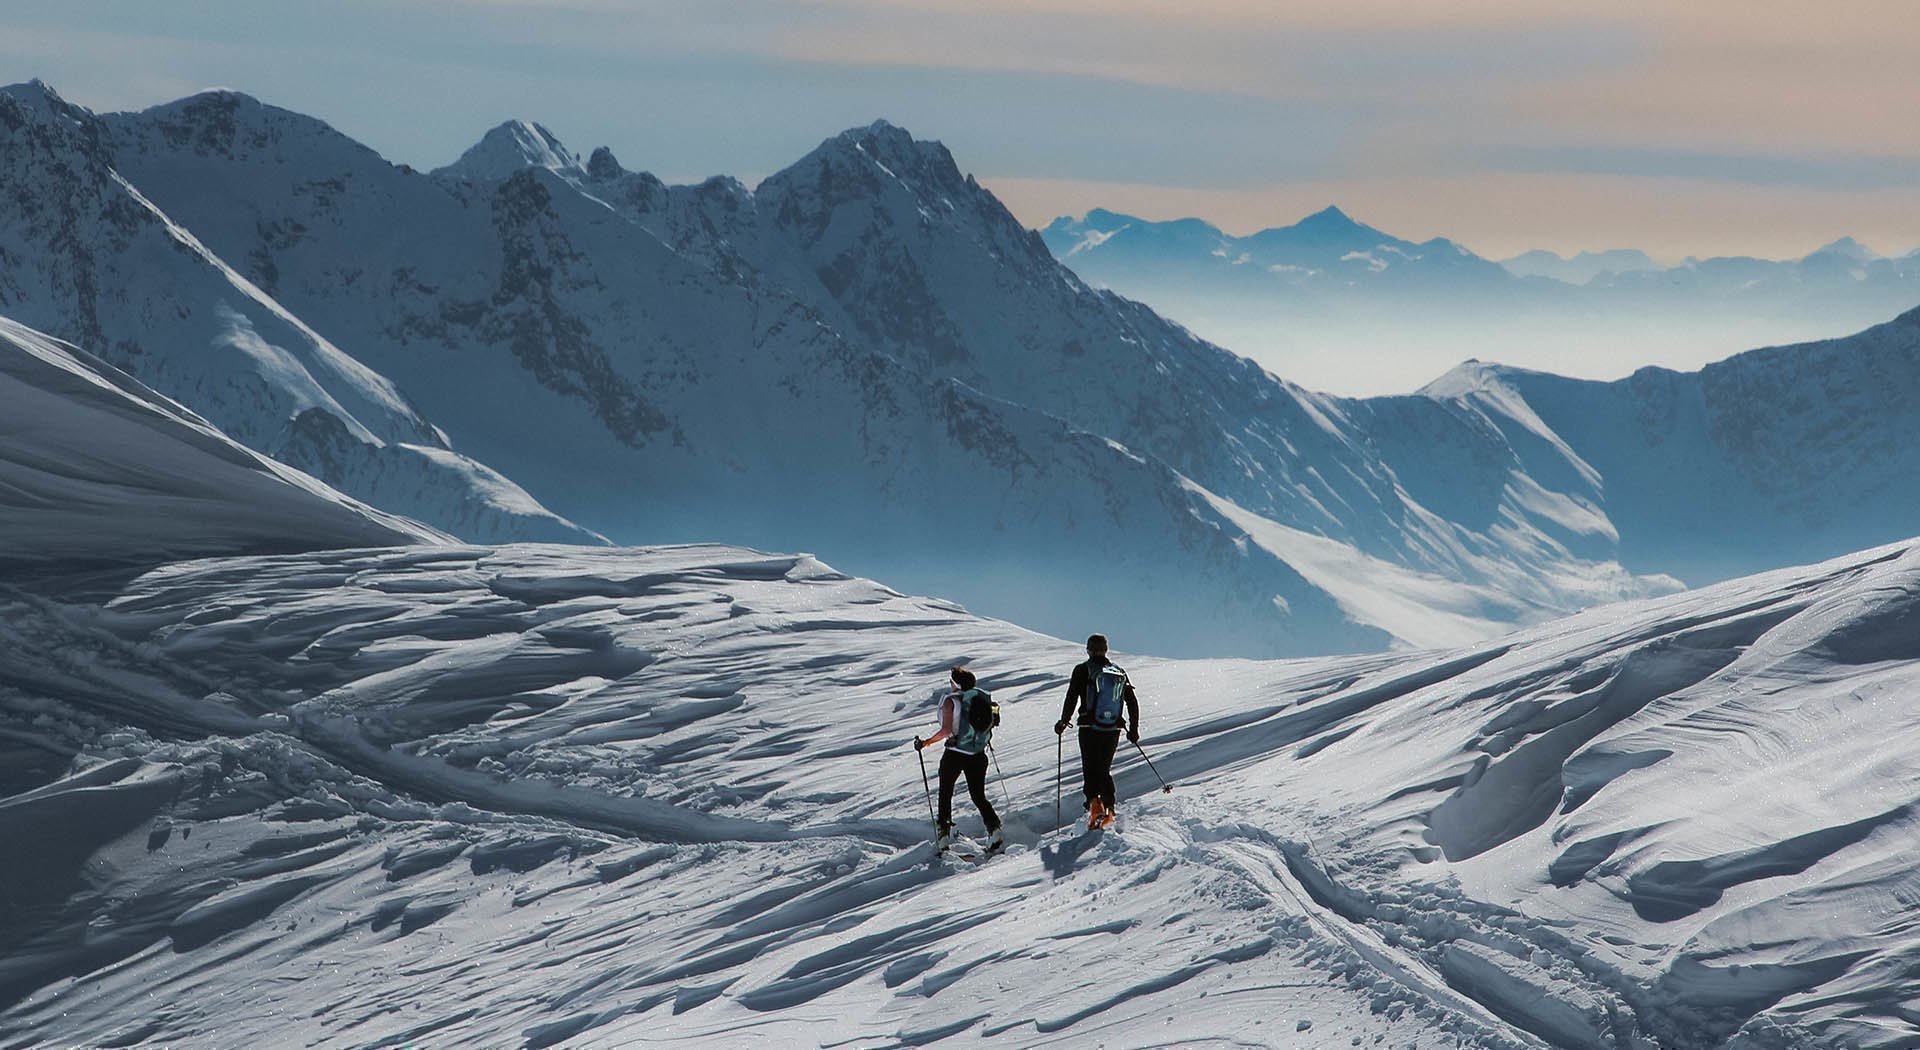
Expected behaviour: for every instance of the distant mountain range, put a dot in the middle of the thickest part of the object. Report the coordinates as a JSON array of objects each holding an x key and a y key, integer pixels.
[
  {"x": 1336, "y": 304},
  {"x": 1581, "y": 267},
  {"x": 868, "y": 357}
]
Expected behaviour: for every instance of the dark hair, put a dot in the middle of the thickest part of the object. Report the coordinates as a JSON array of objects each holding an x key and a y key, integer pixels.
[
  {"x": 963, "y": 678},
  {"x": 1097, "y": 641}
]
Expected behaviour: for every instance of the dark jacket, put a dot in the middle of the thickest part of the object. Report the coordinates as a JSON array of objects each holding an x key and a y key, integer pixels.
[{"x": 1078, "y": 692}]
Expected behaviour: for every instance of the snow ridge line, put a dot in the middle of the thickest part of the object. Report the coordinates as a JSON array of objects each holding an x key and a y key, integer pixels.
[
  {"x": 98, "y": 689},
  {"x": 336, "y": 737}
]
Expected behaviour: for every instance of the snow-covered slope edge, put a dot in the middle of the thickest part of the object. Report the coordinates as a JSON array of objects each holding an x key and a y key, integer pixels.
[
  {"x": 539, "y": 796},
  {"x": 95, "y": 467},
  {"x": 1785, "y": 454}
]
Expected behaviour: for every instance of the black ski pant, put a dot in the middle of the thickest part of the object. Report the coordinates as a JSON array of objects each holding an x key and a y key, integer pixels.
[
  {"x": 952, "y": 764},
  {"x": 1096, "y": 763}
]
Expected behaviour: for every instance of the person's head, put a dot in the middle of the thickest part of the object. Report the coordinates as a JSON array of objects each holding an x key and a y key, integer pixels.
[
  {"x": 963, "y": 678},
  {"x": 1096, "y": 645}
]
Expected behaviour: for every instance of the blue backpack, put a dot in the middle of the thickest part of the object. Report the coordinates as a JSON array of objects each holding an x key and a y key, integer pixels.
[
  {"x": 979, "y": 715},
  {"x": 1106, "y": 692}
]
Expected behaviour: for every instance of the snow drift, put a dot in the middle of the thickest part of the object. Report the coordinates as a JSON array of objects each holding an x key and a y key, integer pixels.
[{"x": 548, "y": 796}]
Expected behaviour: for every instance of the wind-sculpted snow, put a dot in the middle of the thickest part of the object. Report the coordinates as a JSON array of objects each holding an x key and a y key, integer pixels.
[{"x": 537, "y": 796}]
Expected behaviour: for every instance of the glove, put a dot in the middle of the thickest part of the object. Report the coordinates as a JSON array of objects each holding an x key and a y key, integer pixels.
[
  {"x": 1133, "y": 735},
  {"x": 1060, "y": 727},
  {"x": 919, "y": 744}
]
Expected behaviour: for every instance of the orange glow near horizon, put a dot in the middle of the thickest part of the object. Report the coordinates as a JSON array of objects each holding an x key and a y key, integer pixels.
[
  {"x": 1703, "y": 128},
  {"x": 1501, "y": 216}
]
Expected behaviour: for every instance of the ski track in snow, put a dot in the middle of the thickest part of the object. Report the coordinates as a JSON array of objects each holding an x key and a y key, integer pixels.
[{"x": 541, "y": 796}]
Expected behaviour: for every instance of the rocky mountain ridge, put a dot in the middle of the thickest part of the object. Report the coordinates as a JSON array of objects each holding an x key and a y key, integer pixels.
[{"x": 865, "y": 355}]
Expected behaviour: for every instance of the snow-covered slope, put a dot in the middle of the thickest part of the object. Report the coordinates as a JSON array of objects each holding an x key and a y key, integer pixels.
[
  {"x": 548, "y": 796},
  {"x": 1791, "y": 453},
  {"x": 95, "y": 468},
  {"x": 87, "y": 257},
  {"x": 507, "y": 149},
  {"x": 865, "y": 356}
]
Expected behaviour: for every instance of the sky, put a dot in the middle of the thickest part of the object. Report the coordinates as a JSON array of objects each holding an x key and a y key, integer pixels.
[{"x": 1707, "y": 128}]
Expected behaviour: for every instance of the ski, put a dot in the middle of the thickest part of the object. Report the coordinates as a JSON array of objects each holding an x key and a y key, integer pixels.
[{"x": 968, "y": 850}]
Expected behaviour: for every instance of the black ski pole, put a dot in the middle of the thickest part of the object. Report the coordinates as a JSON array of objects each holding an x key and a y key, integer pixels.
[
  {"x": 1164, "y": 786},
  {"x": 929, "y": 785},
  {"x": 1059, "y": 757},
  {"x": 1005, "y": 799}
]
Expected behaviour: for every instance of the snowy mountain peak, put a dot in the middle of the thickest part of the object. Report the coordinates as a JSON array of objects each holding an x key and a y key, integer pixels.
[
  {"x": 1579, "y": 268},
  {"x": 1468, "y": 377},
  {"x": 224, "y": 98},
  {"x": 36, "y": 103},
  {"x": 1309, "y": 241},
  {"x": 36, "y": 96},
  {"x": 1846, "y": 248},
  {"x": 31, "y": 92},
  {"x": 877, "y": 182},
  {"x": 602, "y": 165},
  {"x": 723, "y": 186},
  {"x": 1101, "y": 219},
  {"x": 1067, "y": 236},
  {"x": 47, "y": 140},
  {"x": 887, "y": 136},
  {"x": 233, "y": 125},
  {"x": 1328, "y": 218},
  {"x": 893, "y": 151},
  {"x": 510, "y": 147},
  {"x": 1330, "y": 223}
]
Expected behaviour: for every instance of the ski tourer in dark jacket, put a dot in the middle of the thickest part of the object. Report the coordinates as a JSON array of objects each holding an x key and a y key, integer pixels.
[{"x": 1098, "y": 690}]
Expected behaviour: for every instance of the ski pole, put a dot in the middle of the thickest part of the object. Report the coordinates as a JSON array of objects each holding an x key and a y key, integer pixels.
[
  {"x": 1164, "y": 786},
  {"x": 928, "y": 784},
  {"x": 1005, "y": 799},
  {"x": 1059, "y": 753}
]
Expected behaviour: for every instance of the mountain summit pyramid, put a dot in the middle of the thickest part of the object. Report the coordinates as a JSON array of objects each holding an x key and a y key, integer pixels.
[{"x": 510, "y": 147}]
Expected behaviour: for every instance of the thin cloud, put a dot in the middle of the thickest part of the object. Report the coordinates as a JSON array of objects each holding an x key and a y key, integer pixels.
[
  {"x": 1822, "y": 172},
  {"x": 1253, "y": 107}
]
